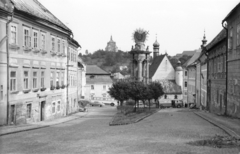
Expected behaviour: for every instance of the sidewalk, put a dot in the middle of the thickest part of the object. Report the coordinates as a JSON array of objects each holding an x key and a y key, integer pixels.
[
  {"x": 230, "y": 125},
  {"x": 4, "y": 130}
]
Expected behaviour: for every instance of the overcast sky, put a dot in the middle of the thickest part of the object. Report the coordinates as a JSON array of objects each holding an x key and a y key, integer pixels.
[{"x": 179, "y": 24}]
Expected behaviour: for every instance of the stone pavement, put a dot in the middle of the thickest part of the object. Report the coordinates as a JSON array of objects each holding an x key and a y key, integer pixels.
[
  {"x": 230, "y": 125},
  {"x": 4, "y": 130}
]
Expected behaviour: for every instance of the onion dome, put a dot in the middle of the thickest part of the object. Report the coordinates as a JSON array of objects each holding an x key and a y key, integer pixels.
[{"x": 156, "y": 44}]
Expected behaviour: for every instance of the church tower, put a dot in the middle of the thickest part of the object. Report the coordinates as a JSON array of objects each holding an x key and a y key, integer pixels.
[
  {"x": 155, "y": 48},
  {"x": 179, "y": 75},
  {"x": 111, "y": 46}
]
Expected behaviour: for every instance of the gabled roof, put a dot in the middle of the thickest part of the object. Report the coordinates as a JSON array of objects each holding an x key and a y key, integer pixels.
[
  {"x": 194, "y": 57},
  {"x": 155, "y": 64},
  {"x": 35, "y": 8},
  {"x": 94, "y": 69},
  {"x": 221, "y": 35},
  {"x": 185, "y": 64},
  {"x": 170, "y": 87},
  {"x": 102, "y": 79}
]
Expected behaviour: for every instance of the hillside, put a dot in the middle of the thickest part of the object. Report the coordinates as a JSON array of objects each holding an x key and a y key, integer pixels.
[{"x": 109, "y": 61}]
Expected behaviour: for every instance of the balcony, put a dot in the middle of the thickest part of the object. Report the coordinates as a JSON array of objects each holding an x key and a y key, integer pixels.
[
  {"x": 52, "y": 87},
  {"x": 63, "y": 86},
  {"x": 27, "y": 48},
  {"x": 53, "y": 53},
  {"x": 59, "y": 54},
  {"x": 43, "y": 51},
  {"x": 43, "y": 89},
  {"x": 35, "y": 50},
  {"x": 58, "y": 87},
  {"x": 26, "y": 91},
  {"x": 35, "y": 89}
]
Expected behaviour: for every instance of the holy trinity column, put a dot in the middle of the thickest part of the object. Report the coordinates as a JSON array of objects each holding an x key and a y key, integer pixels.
[{"x": 140, "y": 57}]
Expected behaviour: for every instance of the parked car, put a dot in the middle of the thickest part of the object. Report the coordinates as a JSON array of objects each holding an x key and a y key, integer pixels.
[
  {"x": 96, "y": 103},
  {"x": 112, "y": 103}
]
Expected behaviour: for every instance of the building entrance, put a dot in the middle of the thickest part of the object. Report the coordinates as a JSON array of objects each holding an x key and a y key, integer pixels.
[{"x": 42, "y": 113}]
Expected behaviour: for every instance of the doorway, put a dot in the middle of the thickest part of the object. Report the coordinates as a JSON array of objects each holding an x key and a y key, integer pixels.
[
  {"x": 12, "y": 114},
  {"x": 173, "y": 103},
  {"x": 42, "y": 113}
]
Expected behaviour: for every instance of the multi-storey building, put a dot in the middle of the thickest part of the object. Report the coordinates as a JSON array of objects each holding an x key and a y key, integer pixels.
[
  {"x": 201, "y": 77},
  {"x": 185, "y": 83},
  {"x": 98, "y": 83},
  {"x": 37, "y": 67},
  {"x": 81, "y": 78},
  {"x": 216, "y": 50},
  {"x": 191, "y": 81},
  {"x": 72, "y": 76},
  {"x": 233, "y": 62}
]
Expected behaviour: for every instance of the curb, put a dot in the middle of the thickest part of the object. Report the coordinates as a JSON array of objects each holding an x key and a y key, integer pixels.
[
  {"x": 40, "y": 126},
  {"x": 225, "y": 129},
  {"x": 140, "y": 119}
]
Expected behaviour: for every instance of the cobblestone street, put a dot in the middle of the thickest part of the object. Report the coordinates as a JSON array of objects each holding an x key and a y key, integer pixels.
[{"x": 167, "y": 131}]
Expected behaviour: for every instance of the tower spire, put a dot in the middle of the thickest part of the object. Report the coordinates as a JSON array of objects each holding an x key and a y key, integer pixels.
[{"x": 204, "y": 41}]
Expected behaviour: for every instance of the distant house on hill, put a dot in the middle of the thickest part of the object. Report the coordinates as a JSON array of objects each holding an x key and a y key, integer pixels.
[{"x": 98, "y": 82}]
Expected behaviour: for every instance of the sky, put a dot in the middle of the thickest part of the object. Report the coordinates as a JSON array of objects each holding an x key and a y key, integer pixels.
[{"x": 178, "y": 25}]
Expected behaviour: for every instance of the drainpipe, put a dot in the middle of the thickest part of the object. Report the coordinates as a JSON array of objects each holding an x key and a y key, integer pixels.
[
  {"x": 67, "y": 103},
  {"x": 225, "y": 27},
  {"x": 7, "y": 50}
]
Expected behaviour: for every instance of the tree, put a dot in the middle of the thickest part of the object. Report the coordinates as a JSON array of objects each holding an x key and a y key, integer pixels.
[
  {"x": 156, "y": 91},
  {"x": 148, "y": 95},
  {"x": 136, "y": 92},
  {"x": 120, "y": 91}
]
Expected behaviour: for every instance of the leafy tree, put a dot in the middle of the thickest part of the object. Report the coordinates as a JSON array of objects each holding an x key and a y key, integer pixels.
[
  {"x": 120, "y": 91},
  {"x": 136, "y": 92},
  {"x": 148, "y": 95},
  {"x": 156, "y": 91}
]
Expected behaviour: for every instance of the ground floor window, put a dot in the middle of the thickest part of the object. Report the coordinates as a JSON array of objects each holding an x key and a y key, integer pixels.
[
  {"x": 175, "y": 97},
  {"x": 53, "y": 107},
  {"x": 58, "y": 108},
  {"x": 1, "y": 93},
  {"x": 29, "y": 110}
]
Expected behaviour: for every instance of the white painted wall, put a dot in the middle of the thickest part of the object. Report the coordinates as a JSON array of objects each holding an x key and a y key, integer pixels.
[{"x": 165, "y": 71}]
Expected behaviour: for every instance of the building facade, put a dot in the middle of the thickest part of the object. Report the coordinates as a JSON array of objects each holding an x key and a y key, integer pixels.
[
  {"x": 98, "y": 83},
  {"x": 36, "y": 71},
  {"x": 233, "y": 62},
  {"x": 185, "y": 83},
  {"x": 72, "y": 77},
  {"x": 216, "y": 50},
  {"x": 191, "y": 81},
  {"x": 161, "y": 70}
]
